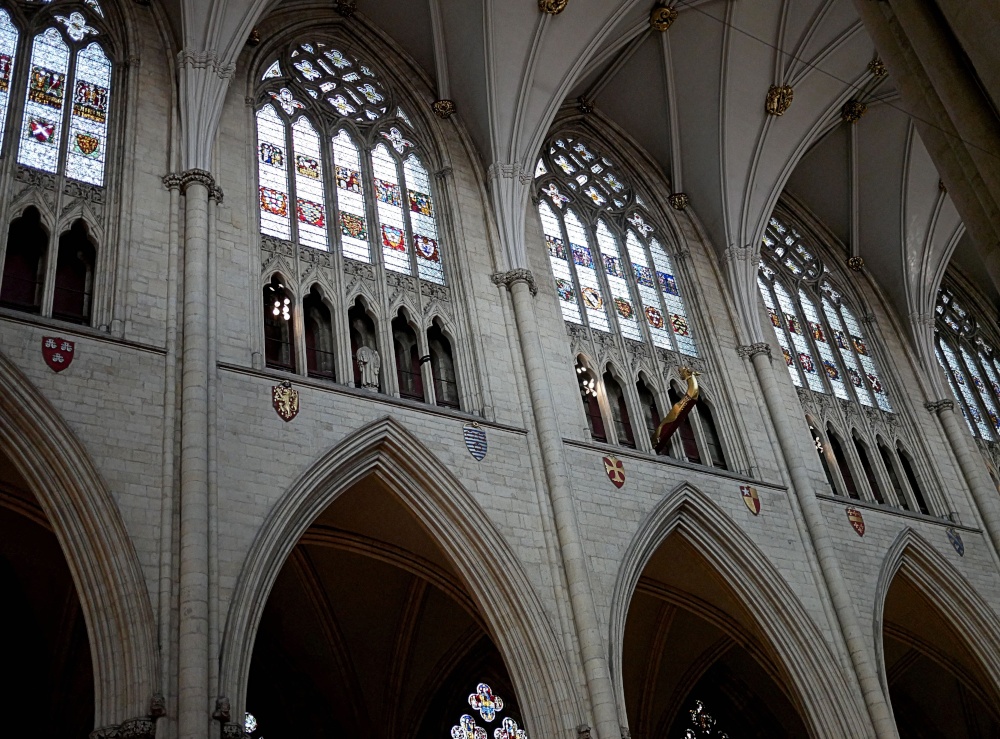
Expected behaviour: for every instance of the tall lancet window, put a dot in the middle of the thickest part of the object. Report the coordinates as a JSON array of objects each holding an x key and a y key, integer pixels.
[
  {"x": 606, "y": 254},
  {"x": 966, "y": 352},
  {"x": 332, "y": 143},
  {"x": 821, "y": 340},
  {"x": 67, "y": 85}
]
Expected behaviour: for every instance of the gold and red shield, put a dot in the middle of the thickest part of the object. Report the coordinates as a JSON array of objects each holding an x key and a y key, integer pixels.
[
  {"x": 285, "y": 400},
  {"x": 857, "y": 520},
  {"x": 57, "y": 353},
  {"x": 615, "y": 469},
  {"x": 751, "y": 498}
]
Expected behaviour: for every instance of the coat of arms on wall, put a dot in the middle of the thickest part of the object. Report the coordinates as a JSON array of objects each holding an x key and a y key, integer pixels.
[
  {"x": 956, "y": 540},
  {"x": 475, "y": 440},
  {"x": 857, "y": 520},
  {"x": 751, "y": 498},
  {"x": 58, "y": 353},
  {"x": 285, "y": 400},
  {"x": 615, "y": 469}
]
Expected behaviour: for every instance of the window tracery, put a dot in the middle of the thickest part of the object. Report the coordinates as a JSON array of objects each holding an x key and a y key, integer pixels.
[{"x": 971, "y": 364}]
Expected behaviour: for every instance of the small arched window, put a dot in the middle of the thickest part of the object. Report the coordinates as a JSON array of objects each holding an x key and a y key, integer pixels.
[
  {"x": 319, "y": 336},
  {"x": 74, "y": 283},
  {"x": 821, "y": 450},
  {"x": 650, "y": 412},
  {"x": 606, "y": 255},
  {"x": 24, "y": 263},
  {"x": 867, "y": 467},
  {"x": 442, "y": 367},
  {"x": 910, "y": 473},
  {"x": 363, "y": 335},
  {"x": 591, "y": 405},
  {"x": 619, "y": 410},
  {"x": 279, "y": 351},
  {"x": 404, "y": 342},
  {"x": 971, "y": 364},
  {"x": 713, "y": 443},
  {"x": 843, "y": 466},
  {"x": 889, "y": 462},
  {"x": 820, "y": 337}
]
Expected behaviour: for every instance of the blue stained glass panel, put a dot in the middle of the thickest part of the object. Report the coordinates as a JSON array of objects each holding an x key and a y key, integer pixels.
[{"x": 676, "y": 313}]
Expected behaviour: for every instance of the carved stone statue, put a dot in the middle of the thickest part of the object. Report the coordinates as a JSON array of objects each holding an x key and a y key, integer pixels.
[{"x": 369, "y": 363}]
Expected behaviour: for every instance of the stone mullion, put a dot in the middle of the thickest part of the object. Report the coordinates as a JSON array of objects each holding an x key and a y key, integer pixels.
[
  {"x": 337, "y": 302},
  {"x": 383, "y": 320}
]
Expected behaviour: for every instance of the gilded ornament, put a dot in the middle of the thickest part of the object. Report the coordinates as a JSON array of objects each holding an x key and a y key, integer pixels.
[
  {"x": 584, "y": 105},
  {"x": 443, "y": 109},
  {"x": 852, "y": 111},
  {"x": 877, "y": 67},
  {"x": 552, "y": 7},
  {"x": 679, "y": 201},
  {"x": 662, "y": 17},
  {"x": 678, "y": 412},
  {"x": 856, "y": 263},
  {"x": 779, "y": 98},
  {"x": 254, "y": 38}
]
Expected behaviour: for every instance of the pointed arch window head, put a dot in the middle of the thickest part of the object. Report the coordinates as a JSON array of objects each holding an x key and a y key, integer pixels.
[
  {"x": 8, "y": 49},
  {"x": 348, "y": 86},
  {"x": 619, "y": 266},
  {"x": 811, "y": 321}
]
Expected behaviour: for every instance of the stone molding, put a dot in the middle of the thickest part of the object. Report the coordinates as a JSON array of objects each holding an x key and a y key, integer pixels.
[
  {"x": 189, "y": 176},
  {"x": 739, "y": 253},
  {"x": 752, "y": 350},
  {"x": 936, "y": 406},
  {"x": 509, "y": 171},
  {"x": 206, "y": 59},
  {"x": 135, "y": 728},
  {"x": 507, "y": 279},
  {"x": 444, "y": 108}
]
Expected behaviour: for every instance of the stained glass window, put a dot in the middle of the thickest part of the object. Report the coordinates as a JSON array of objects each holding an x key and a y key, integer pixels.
[
  {"x": 41, "y": 130},
  {"x": 971, "y": 365},
  {"x": 389, "y": 203},
  {"x": 351, "y": 198},
  {"x": 847, "y": 367},
  {"x": 344, "y": 83},
  {"x": 310, "y": 201},
  {"x": 8, "y": 49},
  {"x": 272, "y": 174},
  {"x": 88, "y": 132},
  {"x": 566, "y": 286},
  {"x": 423, "y": 220},
  {"x": 619, "y": 256}
]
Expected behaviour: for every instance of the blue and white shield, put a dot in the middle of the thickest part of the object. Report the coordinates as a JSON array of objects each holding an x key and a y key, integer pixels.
[
  {"x": 956, "y": 541},
  {"x": 475, "y": 440}
]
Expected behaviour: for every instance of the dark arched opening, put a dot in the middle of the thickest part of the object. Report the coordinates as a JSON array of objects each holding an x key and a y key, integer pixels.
[
  {"x": 711, "y": 433},
  {"x": 319, "y": 336},
  {"x": 845, "y": 469},
  {"x": 404, "y": 344},
  {"x": 362, "y": 329},
  {"x": 911, "y": 477},
  {"x": 689, "y": 444},
  {"x": 619, "y": 410},
  {"x": 821, "y": 451},
  {"x": 278, "y": 350},
  {"x": 890, "y": 468},
  {"x": 647, "y": 402},
  {"x": 591, "y": 406},
  {"x": 74, "y": 287},
  {"x": 866, "y": 465},
  {"x": 24, "y": 263},
  {"x": 442, "y": 367}
]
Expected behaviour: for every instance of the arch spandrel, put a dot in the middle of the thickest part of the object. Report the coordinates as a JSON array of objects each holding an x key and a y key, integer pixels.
[
  {"x": 487, "y": 565},
  {"x": 796, "y": 644},
  {"x": 92, "y": 534}
]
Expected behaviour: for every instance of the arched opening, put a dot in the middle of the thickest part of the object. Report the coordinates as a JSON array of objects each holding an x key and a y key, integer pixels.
[
  {"x": 842, "y": 465},
  {"x": 685, "y": 432},
  {"x": 888, "y": 460},
  {"x": 591, "y": 405},
  {"x": 936, "y": 683},
  {"x": 362, "y": 328},
  {"x": 371, "y": 630},
  {"x": 442, "y": 367},
  {"x": 278, "y": 350},
  {"x": 713, "y": 443},
  {"x": 866, "y": 465},
  {"x": 647, "y": 402},
  {"x": 619, "y": 410},
  {"x": 74, "y": 286},
  {"x": 404, "y": 344},
  {"x": 911, "y": 477},
  {"x": 688, "y": 638},
  {"x": 24, "y": 263},
  {"x": 821, "y": 451},
  {"x": 319, "y": 336},
  {"x": 47, "y": 660}
]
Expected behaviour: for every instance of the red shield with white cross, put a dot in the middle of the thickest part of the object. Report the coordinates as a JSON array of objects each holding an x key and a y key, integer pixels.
[
  {"x": 857, "y": 520},
  {"x": 615, "y": 469},
  {"x": 58, "y": 353}
]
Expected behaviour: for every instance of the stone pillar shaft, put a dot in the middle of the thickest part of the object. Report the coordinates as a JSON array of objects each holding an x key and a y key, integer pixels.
[
  {"x": 816, "y": 525},
  {"x": 193, "y": 628},
  {"x": 574, "y": 560}
]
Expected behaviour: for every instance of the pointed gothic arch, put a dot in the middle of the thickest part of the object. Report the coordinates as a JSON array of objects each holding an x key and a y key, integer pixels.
[
  {"x": 958, "y": 603},
  {"x": 494, "y": 575},
  {"x": 95, "y": 543},
  {"x": 824, "y": 700}
]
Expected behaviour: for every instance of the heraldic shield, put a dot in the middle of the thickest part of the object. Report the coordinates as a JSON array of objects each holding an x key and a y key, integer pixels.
[
  {"x": 615, "y": 469},
  {"x": 751, "y": 498},
  {"x": 475, "y": 440},
  {"x": 58, "y": 353},
  {"x": 285, "y": 400},
  {"x": 956, "y": 540},
  {"x": 857, "y": 520}
]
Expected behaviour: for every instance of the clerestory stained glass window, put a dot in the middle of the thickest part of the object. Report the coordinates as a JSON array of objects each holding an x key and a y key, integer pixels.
[
  {"x": 615, "y": 264},
  {"x": 971, "y": 365},
  {"x": 344, "y": 146},
  {"x": 816, "y": 323},
  {"x": 64, "y": 125}
]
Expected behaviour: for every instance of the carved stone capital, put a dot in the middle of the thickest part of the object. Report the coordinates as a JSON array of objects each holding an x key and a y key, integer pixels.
[
  {"x": 779, "y": 99},
  {"x": 201, "y": 176},
  {"x": 877, "y": 67},
  {"x": 852, "y": 111},
  {"x": 552, "y": 7},
  {"x": 662, "y": 17},
  {"x": 157, "y": 706},
  {"x": 105, "y": 732},
  {"x": 509, "y": 171},
  {"x": 740, "y": 253},
  {"x": 215, "y": 193},
  {"x": 507, "y": 279},
  {"x": 583, "y": 731},
  {"x": 936, "y": 406},
  {"x": 208, "y": 59},
  {"x": 679, "y": 201},
  {"x": 172, "y": 181},
  {"x": 223, "y": 709},
  {"x": 751, "y": 351},
  {"x": 444, "y": 173},
  {"x": 232, "y": 731},
  {"x": 681, "y": 254},
  {"x": 443, "y": 109}
]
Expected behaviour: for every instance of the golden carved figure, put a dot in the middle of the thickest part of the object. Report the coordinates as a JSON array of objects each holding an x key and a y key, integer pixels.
[
  {"x": 662, "y": 17},
  {"x": 779, "y": 98},
  {"x": 679, "y": 411},
  {"x": 552, "y": 7}
]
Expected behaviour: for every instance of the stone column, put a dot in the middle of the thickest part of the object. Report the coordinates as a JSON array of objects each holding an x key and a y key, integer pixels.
[
  {"x": 816, "y": 525},
  {"x": 521, "y": 285},
  {"x": 971, "y": 467},
  {"x": 193, "y": 716}
]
